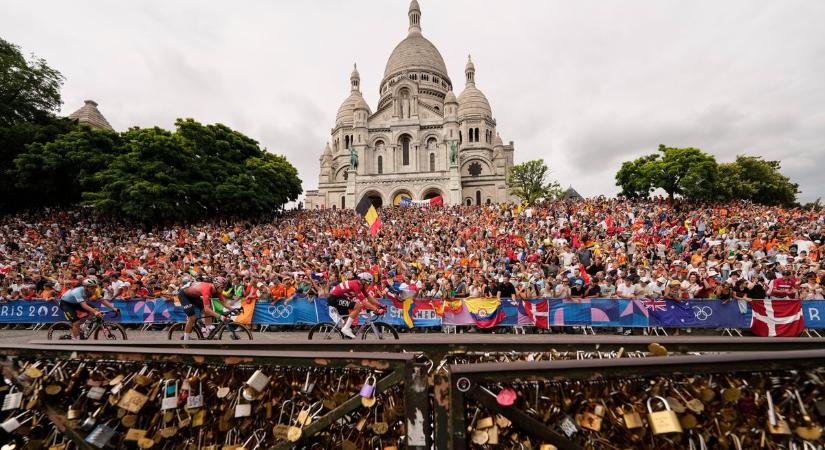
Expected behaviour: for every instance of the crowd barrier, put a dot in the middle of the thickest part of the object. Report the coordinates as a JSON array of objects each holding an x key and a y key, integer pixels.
[{"x": 480, "y": 312}]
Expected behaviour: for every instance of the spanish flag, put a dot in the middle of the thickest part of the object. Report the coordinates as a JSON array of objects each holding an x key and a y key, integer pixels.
[{"x": 368, "y": 212}]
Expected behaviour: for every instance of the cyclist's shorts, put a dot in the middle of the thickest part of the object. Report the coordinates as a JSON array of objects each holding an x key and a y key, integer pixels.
[
  {"x": 341, "y": 304},
  {"x": 70, "y": 310},
  {"x": 189, "y": 304}
]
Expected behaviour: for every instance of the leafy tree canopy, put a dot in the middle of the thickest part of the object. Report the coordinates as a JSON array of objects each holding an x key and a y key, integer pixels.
[
  {"x": 695, "y": 175},
  {"x": 196, "y": 171},
  {"x": 29, "y": 89},
  {"x": 529, "y": 181}
]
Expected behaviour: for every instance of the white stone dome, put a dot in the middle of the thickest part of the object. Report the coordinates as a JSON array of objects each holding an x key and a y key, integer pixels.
[
  {"x": 450, "y": 97},
  {"x": 415, "y": 52},
  {"x": 473, "y": 103},
  {"x": 348, "y": 107}
]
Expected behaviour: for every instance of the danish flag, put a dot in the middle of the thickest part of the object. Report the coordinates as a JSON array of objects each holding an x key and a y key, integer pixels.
[
  {"x": 777, "y": 318},
  {"x": 538, "y": 313}
]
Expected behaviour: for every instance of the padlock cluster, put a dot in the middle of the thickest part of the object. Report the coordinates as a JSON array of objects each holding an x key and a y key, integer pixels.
[
  {"x": 736, "y": 411},
  {"x": 124, "y": 405}
]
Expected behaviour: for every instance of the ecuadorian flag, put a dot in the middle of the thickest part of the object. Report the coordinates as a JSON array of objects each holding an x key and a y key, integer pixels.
[
  {"x": 368, "y": 212},
  {"x": 486, "y": 312}
]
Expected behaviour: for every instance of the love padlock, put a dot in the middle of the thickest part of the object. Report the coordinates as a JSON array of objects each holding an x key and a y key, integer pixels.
[{"x": 368, "y": 389}]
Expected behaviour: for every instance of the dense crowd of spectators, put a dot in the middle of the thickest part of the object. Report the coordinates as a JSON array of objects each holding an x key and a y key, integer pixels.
[{"x": 590, "y": 248}]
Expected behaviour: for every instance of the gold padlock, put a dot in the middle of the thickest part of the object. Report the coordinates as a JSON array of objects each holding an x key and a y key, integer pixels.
[
  {"x": 484, "y": 422},
  {"x": 775, "y": 423},
  {"x": 631, "y": 417},
  {"x": 662, "y": 422},
  {"x": 590, "y": 421}
]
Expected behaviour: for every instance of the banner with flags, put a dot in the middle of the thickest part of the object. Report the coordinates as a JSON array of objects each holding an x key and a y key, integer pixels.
[
  {"x": 367, "y": 210},
  {"x": 777, "y": 318},
  {"x": 768, "y": 317},
  {"x": 438, "y": 200},
  {"x": 486, "y": 312}
]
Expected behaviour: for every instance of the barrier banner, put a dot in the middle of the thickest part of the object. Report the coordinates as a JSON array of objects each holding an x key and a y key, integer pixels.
[
  {"x": 813, "y": 311},
  {"x": 696, "y": 314},
  {"x": 540, "y": 313}
]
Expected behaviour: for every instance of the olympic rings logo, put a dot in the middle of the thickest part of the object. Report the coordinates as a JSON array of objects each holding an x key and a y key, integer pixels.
[
  {"x": 280, "y": 311},
  {"x": 702, "y": 313}
]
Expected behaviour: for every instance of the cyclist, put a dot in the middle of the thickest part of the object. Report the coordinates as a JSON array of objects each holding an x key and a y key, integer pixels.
[
  {"x": 75, "y": 299},
  {"x": 349, "y": 297},
  {"x": 198, "y": 295}
]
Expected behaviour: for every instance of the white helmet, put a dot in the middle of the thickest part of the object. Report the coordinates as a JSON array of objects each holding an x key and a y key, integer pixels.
[
  {"x": 365, "y": 276},
  {"x": 89, "y": 282}
]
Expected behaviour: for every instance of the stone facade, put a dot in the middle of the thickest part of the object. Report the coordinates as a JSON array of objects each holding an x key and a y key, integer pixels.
[{"x": 404, "y": 148}]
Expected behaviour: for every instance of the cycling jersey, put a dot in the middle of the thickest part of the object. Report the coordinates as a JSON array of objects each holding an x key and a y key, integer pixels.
[
  {"x": 202, "y": 290},
  {"x": 348, "y": 289},
  {"x": 75, "y": 296}
]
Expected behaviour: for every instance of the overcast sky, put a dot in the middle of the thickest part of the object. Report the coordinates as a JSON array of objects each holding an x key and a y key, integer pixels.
[{"x": 583, "y": 84}]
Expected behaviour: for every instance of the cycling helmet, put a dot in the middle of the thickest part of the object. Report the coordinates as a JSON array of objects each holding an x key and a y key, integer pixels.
[
  {"x": 89, "y": 282},
  {"x": 220, "y": 281},
  {"x": 365, "y": 277}
]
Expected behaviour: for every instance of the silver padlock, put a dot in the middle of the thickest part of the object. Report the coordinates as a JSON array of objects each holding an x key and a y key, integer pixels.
[
  {"x": 242, "y": 409},
  {"x": 169, "y": 401},
  {"x": 258, "y": 381},
  {"x": 13, "y": 399},
  {"x": 13, "y": 423},
  {"x": 195, "y": 401},
  {"x": 309, "y": 384},
  {"x": 96, "y": 392},
  {"x": 101, "y": 435}
]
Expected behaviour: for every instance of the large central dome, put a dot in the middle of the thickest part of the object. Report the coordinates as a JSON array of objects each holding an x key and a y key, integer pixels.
[{"x": 415, "y": 51}]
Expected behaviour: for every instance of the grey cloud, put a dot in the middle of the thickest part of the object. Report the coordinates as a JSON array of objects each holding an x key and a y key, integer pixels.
[{"x": 583, "y": 84}]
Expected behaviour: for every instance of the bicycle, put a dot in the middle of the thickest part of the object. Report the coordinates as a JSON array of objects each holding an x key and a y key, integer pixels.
[
  {"x": 368, "y": 328},
  {"x": 233, "y": 331},
  {"x": 90, "y": 326}
]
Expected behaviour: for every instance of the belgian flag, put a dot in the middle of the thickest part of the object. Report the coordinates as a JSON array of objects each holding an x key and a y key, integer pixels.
[{"x": 368, "y": 212}]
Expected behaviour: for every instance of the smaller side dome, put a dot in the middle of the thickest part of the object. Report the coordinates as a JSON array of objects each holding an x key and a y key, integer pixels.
[
  {"x": 360, "y": 103},
  {"x": 472, "y": 102},
  {"x": 450, "y": 97},
  {"x": 497, "y": 141}
]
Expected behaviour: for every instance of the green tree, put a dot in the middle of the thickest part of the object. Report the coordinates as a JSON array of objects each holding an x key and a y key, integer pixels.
[
  {"x": 689, "y": 172},
  {"x": 57, "y": 172},
  {"x": 13, "y": 142},
  {"x": 634, "y": 177},
  {"x": 197, "y": 170},
  {"x": 529, "y": 181},
  {"x": 762, "y": 182},
  {"x": 29, "y": 89}
]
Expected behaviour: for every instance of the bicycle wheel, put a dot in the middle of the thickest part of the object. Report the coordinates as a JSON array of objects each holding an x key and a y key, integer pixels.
[
  {"x": 60, "y": 331},
  {"x": 176, "y": 331},
  {"x": 109, "y": 331},
  {"x": 234, "y": 332},
  {"x": 382, "y": 331},
  {"x": 325, "y": 332}
]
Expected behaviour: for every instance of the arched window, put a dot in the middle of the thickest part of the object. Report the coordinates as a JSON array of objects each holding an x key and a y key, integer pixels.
[
  {"x": 380, "y": 164},
  {"x": 469, "y": 202},
  {"x": 478, "y": 198},
  {"x": 343, "y": 202},
  {"x": 477, "y": 140},
  {"x": 459, "y": 137},
  {"x": 346, "y": 141},
  {"x": 489, "y": 201},
  {"x": 432, "y": 162},
  {"x": 405, "y": 150}
]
